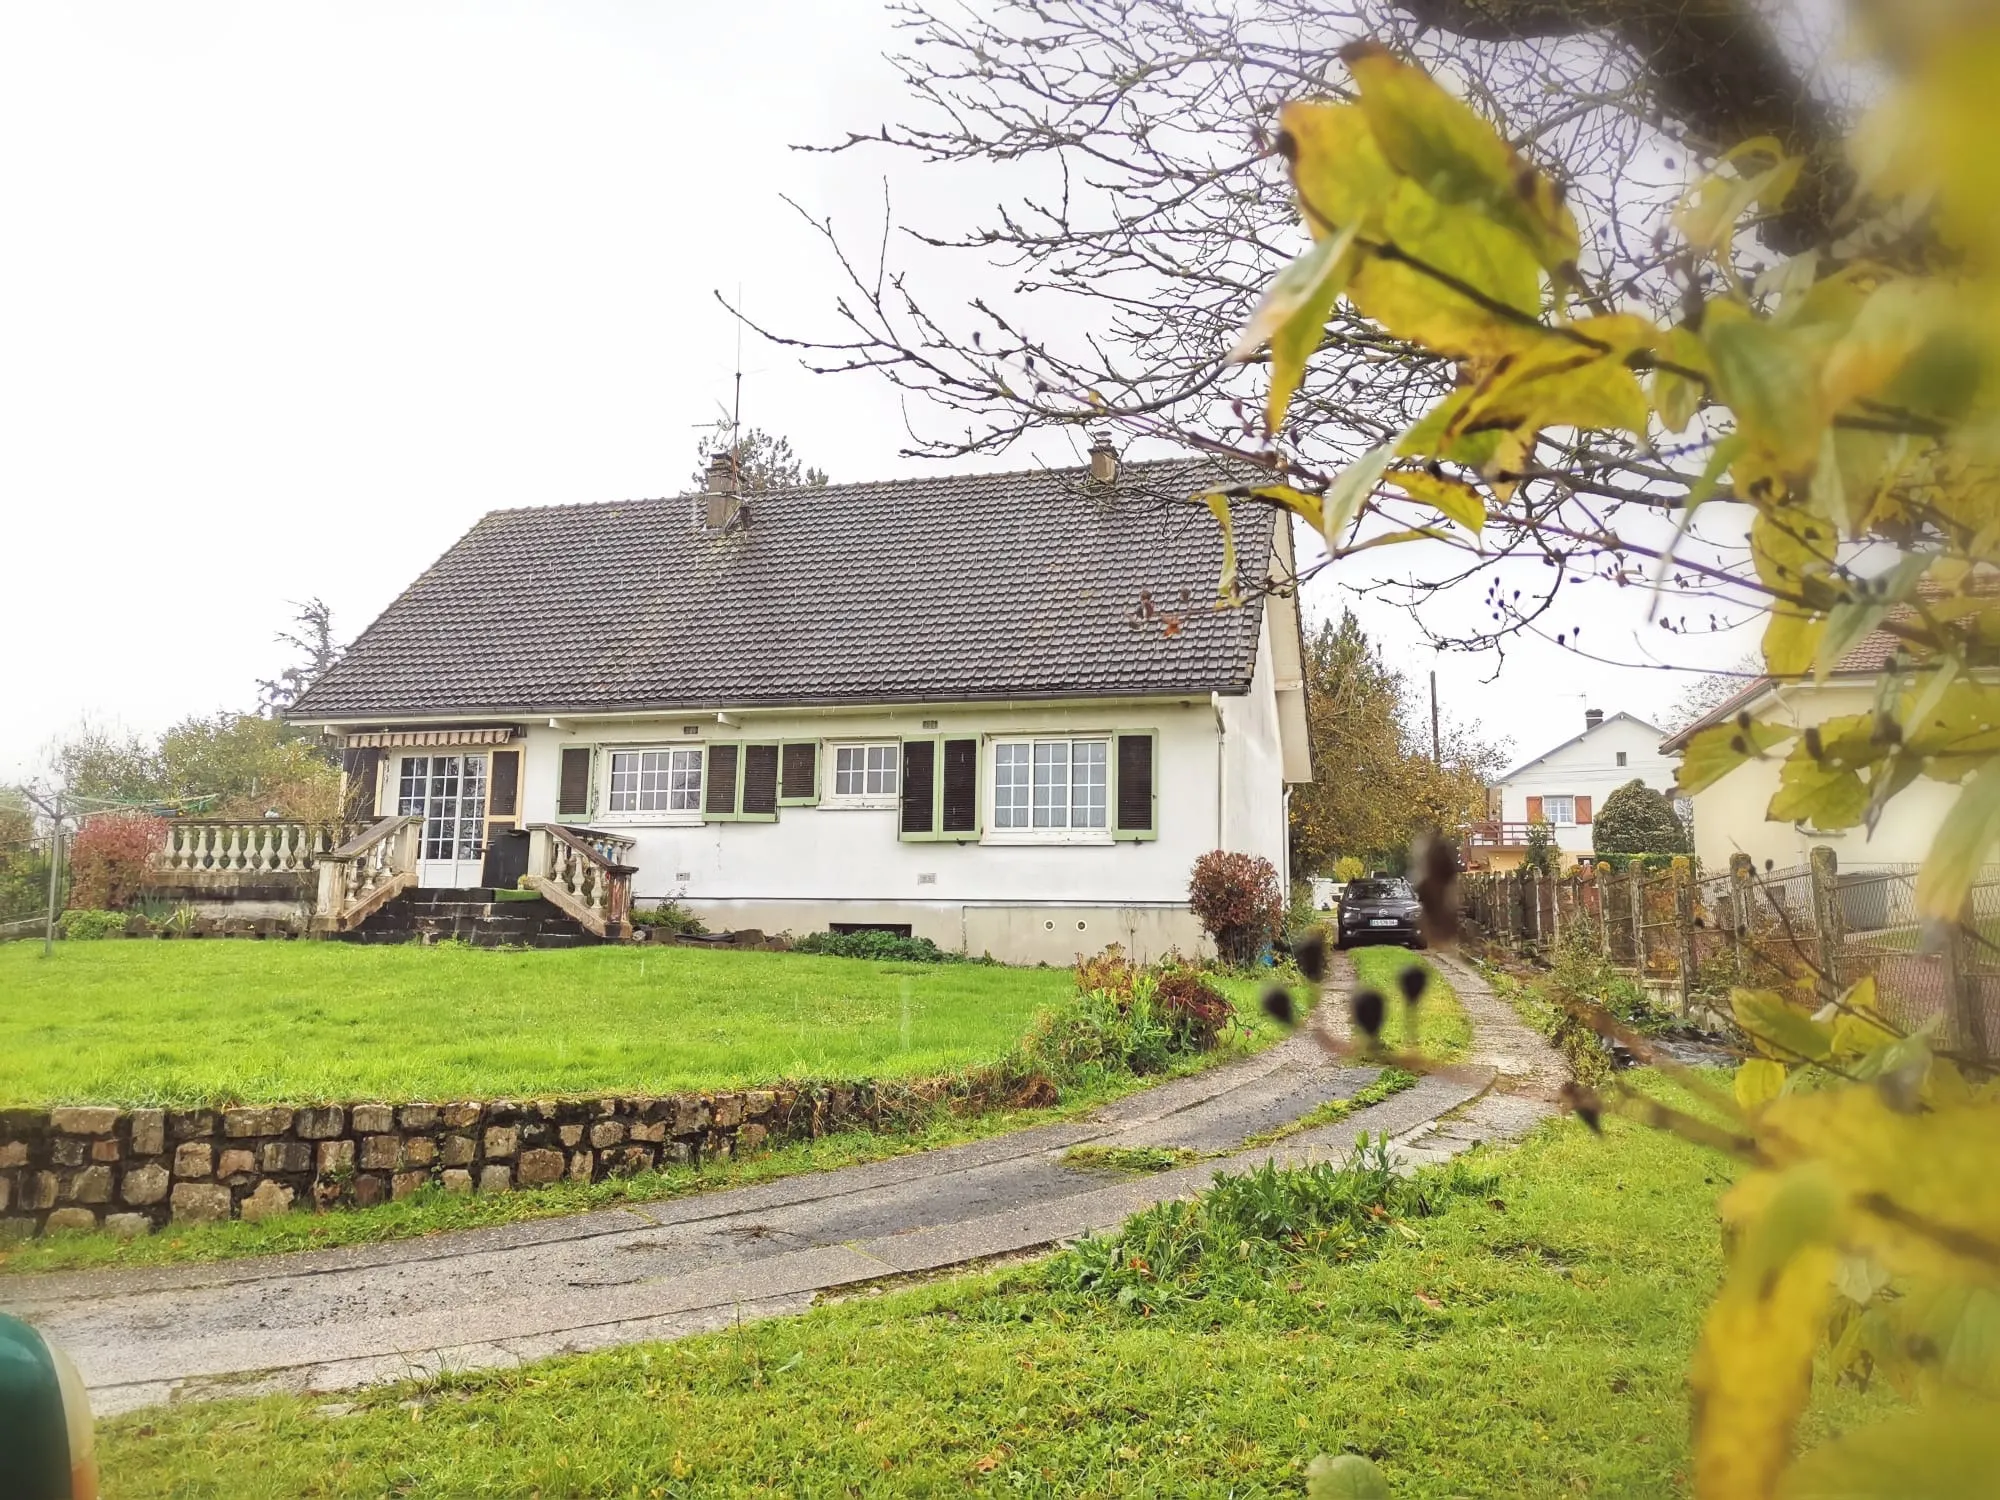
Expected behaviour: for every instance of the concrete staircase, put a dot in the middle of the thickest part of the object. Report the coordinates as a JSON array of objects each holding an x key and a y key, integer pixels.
[{"x": 471, "y": 916}]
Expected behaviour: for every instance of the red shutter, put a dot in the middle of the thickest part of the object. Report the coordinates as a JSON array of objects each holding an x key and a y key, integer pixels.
[
  {"x": 1534, "y": 809},
  {"x": 1582, "y": 810}
]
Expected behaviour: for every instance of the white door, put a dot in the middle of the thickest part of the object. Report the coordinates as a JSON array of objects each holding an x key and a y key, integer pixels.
[{"x": 449, "y": 793}]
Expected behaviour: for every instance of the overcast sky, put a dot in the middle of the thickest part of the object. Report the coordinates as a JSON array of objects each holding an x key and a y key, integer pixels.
[{"x": 294, "y": 293}]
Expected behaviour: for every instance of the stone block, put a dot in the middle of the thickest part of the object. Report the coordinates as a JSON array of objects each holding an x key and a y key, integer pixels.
[
  {"x": 457, "y": 1150},
  {"x": 128, "y": 1226},
  {"x": 200, "y": 1202},
  {"x": 654, "y": 1131},
  {"x": 540, "y": 1165},
  {"x": 13, "y": 1153},
  {"x": 194, "y": 1159},
  {"x": 728, "y": 1111},
  {"x": 91, "y": 1185},
  {"x": 582, "y": 1166},
  {"x": 458, "y": 1116},
  {"x": 67, "y": 1153},
  {"x": 370, "y": 1189},
  {"x": 238, "y": 1161},
  {"x": 752, "y": 1137},
  {"x": 380, "y": 1153},
  {"x": 537, "y": 1133},
  {"x": 501, "y": 1141},
  {"x": 570, "y": 1135},
  {"x": 418, "y": 1117},
  {"x": 635, "y": 1159},
  {"x": 147, "y": 1184},
  {"x": 106, "y": 1150},
  {"x": 89, "y": 1119},
  {"x": 681, "y": 1152},
  {"x": 16, "y": 1229},
  {"x": 419, "y": 1150},
  {"x": 241, "y": 1123},
  {"x": 70, "y": 1218},
  {"x": 334, "y": 1158},
  {"x": 186, "y": 1125},
  {"x": 503, "y": 1111},
  {"x": 270, "y": 1200},
  {"x": 321, "y": 1124},
  {"x": 286, "y": 1156},
  {"x": 373, "y": 1119},
  {"x": 607, "y": 1133},
  {"x": 690, "y": 1115},
  {"x": 758, "y": 1103},
  {"x": 149, "y": 1132},
  {"x": 405, "y": 1183},
  {"x": 495, "y": 1179},
  {"x": 457, "y": 1180}
]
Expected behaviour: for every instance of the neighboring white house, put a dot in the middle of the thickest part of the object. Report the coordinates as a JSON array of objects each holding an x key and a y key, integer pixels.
[
  {"x": 1564, "y": 786},
  {"x": 998, "y": 711}
]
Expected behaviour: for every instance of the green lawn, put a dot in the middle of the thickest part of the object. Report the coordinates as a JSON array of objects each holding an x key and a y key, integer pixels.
[
  {"x": 191, "y": 1023},
  {"x": 1531, "y": 1340},
  {"x": 1443, "y": 1032}
]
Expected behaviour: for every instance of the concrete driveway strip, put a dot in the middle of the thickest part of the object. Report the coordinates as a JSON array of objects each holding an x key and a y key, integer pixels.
[{"x": 326, "y": 1320}]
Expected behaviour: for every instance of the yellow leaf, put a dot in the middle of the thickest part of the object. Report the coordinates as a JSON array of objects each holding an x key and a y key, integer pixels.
[
  {"x": 1400, "y": 287},
  {"x": 1676, "y": 397},
  {"x": 1458, "y": 500},
  {"x": 1757, "y": 1082},
  {"x": 1708, "y": 213},
  {"x": 1779, "y": 1030},
  {"x": 1950, "y": 1451},
  {"x": 1815, "y": 791},
  {"x": 1962, "y": 844},
  {"x": 1896, "y": 318},
  {"x": 1427, "y": 436},
  {"x": 1558, "y": 384},
  {"x": 1791, "y": 641},
  {"x": 1719, "y": 749},
  {"x": 1346, "y": 495},
  {"x": 1766, "y": 375},
  {"x": 1338, "y": 172},
  {"x": 1218, "y": 505},
  {"x": 1458, "y": 158},
  {"x": 1302, "y": 502},
  {"x": 1292, "y": 317},
  {"x": 1859, "y": 1028}
]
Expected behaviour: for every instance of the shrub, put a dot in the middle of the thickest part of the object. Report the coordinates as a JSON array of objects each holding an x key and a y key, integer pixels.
[
  {"x": 1635, "y": 819},
  {"x": 669, "y": 916},
  {"x": 1095, "y": 1034},
  {"x": 109, "y": 858},
  {"x": 1194, "y": 1010},
  {"x": 85, "y": 924},
  {"x": 1348, "y": 867},
  {"x": 1542, "y": 854},
  {"x": 1237, "y": 900},
  {"x": 877, "y": 945},
  {"x": 1110, "y": 971}
]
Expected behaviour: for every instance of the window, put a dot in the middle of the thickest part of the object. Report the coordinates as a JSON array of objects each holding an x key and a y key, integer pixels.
[
  {"x": 655, "y": 781},
  {"x": 1051, "y": 786},
  {"x": 1560, "y": 810},
  {"x": 1621, "y": 757},
  {"x": 866, "y": 775}
]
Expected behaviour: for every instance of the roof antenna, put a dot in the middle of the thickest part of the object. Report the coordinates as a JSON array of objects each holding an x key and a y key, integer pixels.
[{"x": 736, "y": 416}]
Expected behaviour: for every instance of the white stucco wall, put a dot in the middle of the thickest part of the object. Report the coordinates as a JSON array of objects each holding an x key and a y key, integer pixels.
[
  {"x": 1729, "y": 815},
  {"x": 1588, "y": 768},
  {"x": 1254, "y": 819}
]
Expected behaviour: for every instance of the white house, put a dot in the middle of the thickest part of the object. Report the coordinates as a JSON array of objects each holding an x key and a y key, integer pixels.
[
  {"x": 999, "y": 711},
  {"x": 1564, "y": 786}
]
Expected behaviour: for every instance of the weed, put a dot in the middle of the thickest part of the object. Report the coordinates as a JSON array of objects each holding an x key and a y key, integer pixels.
[{"x": 1129, "y": 1158}]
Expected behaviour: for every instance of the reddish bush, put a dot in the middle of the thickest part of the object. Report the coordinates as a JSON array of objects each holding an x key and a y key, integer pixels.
[
  {"x": 108, "y": 859},
  {"x": 1110, "y": 971},
  {"x": 1194, "y": 1010},
  {"x": 1237, "y": 900}
]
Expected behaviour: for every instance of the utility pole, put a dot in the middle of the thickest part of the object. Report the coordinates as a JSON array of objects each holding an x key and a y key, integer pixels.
[
  {"x": 54, "y": 813},
  {"x": 1437, "y": 755}
]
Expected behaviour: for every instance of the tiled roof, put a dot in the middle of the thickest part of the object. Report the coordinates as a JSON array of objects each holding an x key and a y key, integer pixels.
[
  {"x": 1865, "y": 658},
  {"x": 977, "y": 586}
]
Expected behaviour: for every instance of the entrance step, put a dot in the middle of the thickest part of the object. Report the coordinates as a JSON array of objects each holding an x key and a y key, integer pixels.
[{"x": 471, "y": 916}]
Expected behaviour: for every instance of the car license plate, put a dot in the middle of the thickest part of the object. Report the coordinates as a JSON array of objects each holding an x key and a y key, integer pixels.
[{"x": 1383, "y": 922}]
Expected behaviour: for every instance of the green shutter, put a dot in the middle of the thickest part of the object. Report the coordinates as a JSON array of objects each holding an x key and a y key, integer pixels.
[{"x": 1135, "y": 785}]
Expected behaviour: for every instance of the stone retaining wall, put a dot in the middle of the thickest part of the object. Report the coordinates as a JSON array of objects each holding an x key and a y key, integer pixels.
[{"x": 133, "y": 1171}]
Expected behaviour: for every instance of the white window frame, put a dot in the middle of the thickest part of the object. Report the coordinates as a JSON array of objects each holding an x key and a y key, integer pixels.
[
  {"x": 995, "y": 833},
  {"x": 1549, "y": 799},
  {"x": 832, "y": 796},
  {"x": 664, "y": 817}
]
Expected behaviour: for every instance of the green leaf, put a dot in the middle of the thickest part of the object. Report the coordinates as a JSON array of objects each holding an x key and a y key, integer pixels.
[
  {"x": 1719, "y": 749},
  {"x": 1676, "y": 397},
  {"x": 1292, "y": 317},
  {"x": 1458, "y": 500},
  {"x": 1944, "y": 1451},
  {"x": 1338, "y": 171},
  {"x": 1961, "y": 845},
  {"x": 1757, "y": 1082},
  {"x": 1345, "y": 496},
  {"x": 1346, "y": 1477},
  {"x": 1458, "y": 158},
  {"x": 1426, "y": 437},
  {"x": 1218, "y": 505},
  {"x": 1778, "y": 1028},
  {"x": 1767, "y": 376}
]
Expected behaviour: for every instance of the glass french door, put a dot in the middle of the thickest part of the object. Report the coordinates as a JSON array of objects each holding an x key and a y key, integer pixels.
[{"x": 449, "y": 793}]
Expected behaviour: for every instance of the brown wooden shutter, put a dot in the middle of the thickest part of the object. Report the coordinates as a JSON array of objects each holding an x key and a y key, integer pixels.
[
  {"x": 1135, "y": 784},
  {"x": 1534, "y": 809},
  {"x": 760, "y": 780},
  {"x": 573, "y": 787},
  {"x": 360, "y": 769},
  {"x": 919, "y": 785},
  {"x": 800, "y": 780},
  {"x": 961, "y": 787},
  {"x": 503, "y": 788},
  {"x": 721, "y": 799},
  {"x": 1583, "y": 809}
]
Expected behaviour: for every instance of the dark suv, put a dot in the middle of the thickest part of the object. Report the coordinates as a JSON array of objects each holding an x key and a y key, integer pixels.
[{"x": 1380, "y": 909}]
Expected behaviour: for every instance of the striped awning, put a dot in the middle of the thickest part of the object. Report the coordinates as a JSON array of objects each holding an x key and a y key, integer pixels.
[{"x": 412, "y": 738}]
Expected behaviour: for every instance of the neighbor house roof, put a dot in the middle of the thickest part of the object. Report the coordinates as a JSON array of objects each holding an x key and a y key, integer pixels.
[
  {"x": 1575, "y": 739},
  {"x": 1865, "y": 658},
  {"x": 968, "y": 586}
]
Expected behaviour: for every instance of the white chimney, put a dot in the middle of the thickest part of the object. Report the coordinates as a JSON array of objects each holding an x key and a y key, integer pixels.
[{"x": 722, "y": 498}]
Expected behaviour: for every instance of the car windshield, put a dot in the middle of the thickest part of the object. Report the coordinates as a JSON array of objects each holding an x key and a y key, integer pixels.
[{"x": 1377, "y": 890}]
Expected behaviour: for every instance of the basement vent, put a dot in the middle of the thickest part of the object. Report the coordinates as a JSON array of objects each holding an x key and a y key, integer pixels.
[{"x": 682, "y": 877}]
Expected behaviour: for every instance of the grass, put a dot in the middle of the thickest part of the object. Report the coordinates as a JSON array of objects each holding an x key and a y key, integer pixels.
[
  {"x": 1531, "y": 1340},
  {"x": 198, "y": 1023},
  {"x": 1129, "y": 1158},
  {"x": 1442, "y": 1032}
]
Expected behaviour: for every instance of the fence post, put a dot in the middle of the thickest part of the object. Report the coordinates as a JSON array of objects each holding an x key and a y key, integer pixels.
[
  {"x": 1635, "y": 895},
  {"x": 1556, "y": 884},
  {"x": 1742, "y": 878},
  {"x": 1825, "y": 868},
  {"x": 1684, "y": 930},
  {"x": 1535, "y": 905},
  {"x": 1963, "y": 998},
  {"x": 1507, "y": 909},
  {"x": 1604, "y": 909}
]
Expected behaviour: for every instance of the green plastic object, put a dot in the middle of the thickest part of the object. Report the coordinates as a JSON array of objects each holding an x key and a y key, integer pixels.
[{"x": 45, "y": 1441}]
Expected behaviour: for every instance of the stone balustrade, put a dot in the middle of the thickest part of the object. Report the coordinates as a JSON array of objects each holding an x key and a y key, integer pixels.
[
  {"x": 582, "y": 871},
  {"x": 274, "y": 847},
  {"x": 131, "y": 1171}
]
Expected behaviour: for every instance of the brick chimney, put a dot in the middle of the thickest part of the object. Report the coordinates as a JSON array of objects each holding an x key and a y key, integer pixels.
[
  {"x": 722, "y": 498},
  {"x": 1103, "y": 459},
  {"x": 1592, "y": 717}
]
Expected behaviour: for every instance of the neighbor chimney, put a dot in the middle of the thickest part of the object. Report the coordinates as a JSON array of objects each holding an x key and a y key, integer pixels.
[
  {"x": 1592, "y": 717},
  {"x": 721, "y": 499},
  {"x": 1103, "y": 459}
]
